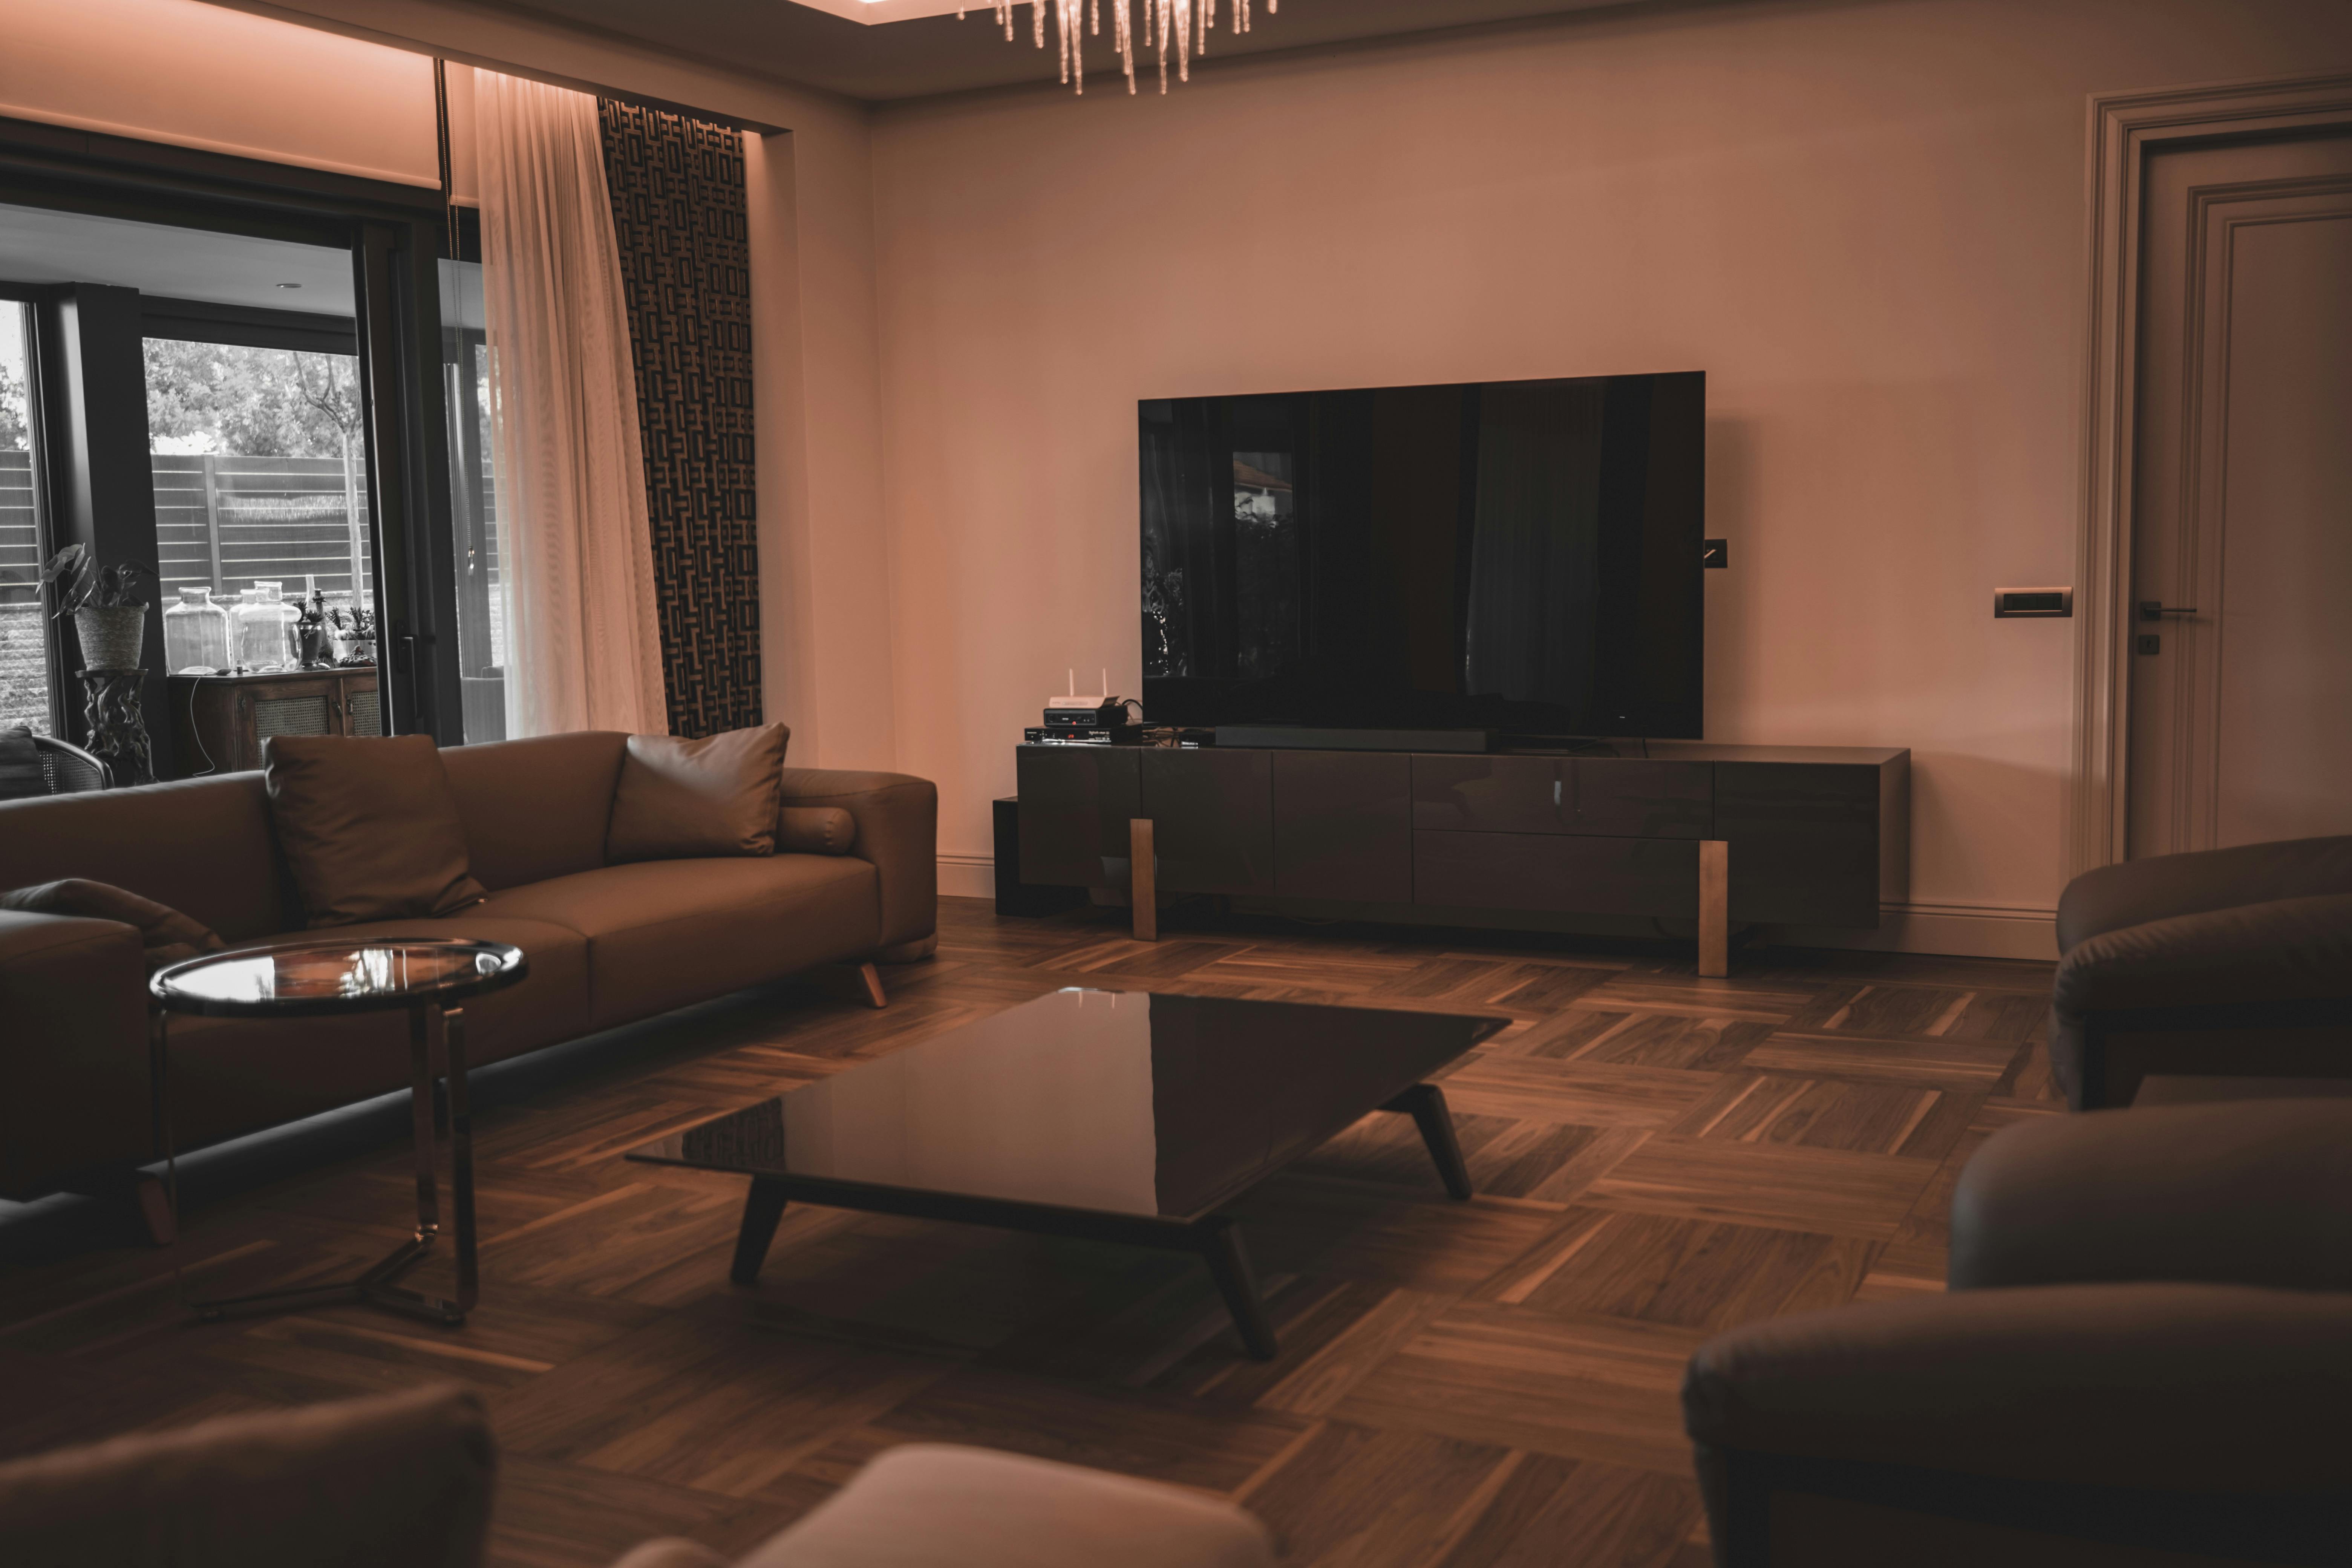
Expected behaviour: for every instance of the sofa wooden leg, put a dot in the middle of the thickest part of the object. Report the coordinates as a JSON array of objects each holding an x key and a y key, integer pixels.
[
  {"x": 155, "y": 1209},
  {"x": 861, "y": 981}
]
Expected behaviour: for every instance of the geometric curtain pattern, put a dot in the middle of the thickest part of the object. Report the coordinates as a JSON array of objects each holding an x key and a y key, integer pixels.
[{"x": 677, "y": 186}]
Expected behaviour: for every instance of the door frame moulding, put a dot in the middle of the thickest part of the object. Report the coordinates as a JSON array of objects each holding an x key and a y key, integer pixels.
[{"x": 2125, "y": 129}]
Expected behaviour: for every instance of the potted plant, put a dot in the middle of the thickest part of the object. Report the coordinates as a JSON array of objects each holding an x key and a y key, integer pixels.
[{"x": 108, "y": 603}]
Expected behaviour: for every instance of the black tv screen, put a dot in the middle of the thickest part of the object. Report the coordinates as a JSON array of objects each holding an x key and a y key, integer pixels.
[{"x": 1518, "y": 556}]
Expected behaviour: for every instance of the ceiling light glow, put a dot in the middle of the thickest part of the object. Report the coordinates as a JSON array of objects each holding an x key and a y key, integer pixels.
[{"x": 1181, "y": 25}]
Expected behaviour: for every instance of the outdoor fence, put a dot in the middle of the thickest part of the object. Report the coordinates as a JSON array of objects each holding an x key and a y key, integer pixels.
[
  {"x": 226, "y": 523},
  {"x": 24, "y": 663},
  {"x": 223, "y": 521}
]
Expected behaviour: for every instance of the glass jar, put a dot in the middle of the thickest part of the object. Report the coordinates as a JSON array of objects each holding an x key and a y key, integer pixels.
[
  {"x": 196, "y": 634},
  {"x": 265, "y": 630}
]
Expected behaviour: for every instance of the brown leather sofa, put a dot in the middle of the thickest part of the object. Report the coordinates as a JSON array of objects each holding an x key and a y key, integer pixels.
[
  {"x": 608, "y": 944},
  {"x": 2144, "y": 1359},
  {"x": 2219, "y": 963}
]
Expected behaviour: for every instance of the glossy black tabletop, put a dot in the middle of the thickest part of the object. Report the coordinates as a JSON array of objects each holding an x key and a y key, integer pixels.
[
  {"x": 315, "y": 978},
  {"x": 1124, "y": 1102}
]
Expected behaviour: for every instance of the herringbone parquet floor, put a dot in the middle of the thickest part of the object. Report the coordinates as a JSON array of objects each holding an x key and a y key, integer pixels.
[{"x": 1467, "y": 1385}]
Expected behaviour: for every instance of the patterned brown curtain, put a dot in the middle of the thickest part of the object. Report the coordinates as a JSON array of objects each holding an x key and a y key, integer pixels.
[{"x": 678, "y": 215}]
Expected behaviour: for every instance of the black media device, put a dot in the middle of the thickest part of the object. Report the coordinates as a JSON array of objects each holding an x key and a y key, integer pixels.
[
  {"x": 1519, "y": 557},
  {"x": 1108, "y": 716}
]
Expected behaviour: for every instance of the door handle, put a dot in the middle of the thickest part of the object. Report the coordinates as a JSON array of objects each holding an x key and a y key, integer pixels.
[{"x": 2151, "y": 610}]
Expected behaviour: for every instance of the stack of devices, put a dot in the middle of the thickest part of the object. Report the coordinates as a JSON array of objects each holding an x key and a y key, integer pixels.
[{"x": 1078, "y": 721}]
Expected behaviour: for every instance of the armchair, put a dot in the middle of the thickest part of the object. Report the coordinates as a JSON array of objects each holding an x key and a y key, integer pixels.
[
  {"x": 2224, "y": 962},
  {"x": 2143, "y": 1360}
]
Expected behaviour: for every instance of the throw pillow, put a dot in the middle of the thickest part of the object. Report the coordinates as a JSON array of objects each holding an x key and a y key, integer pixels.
[
  {"x": 168, "y": 935},
  {"x": 815, "y": 830},
  {"x": 684, "y": 799},
  {"x": 369, "y": 827}
]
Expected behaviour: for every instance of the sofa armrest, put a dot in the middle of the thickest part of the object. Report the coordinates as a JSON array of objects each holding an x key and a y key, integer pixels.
[
  {"x": 398, "y": 1481},
  {"x": 2164, "y": 886},
  {"x": 2201, "y": 1388},
  {"x": 74, "y": 993},
  {"x": 2285, "y": 950},
  {"x": 2255, "y": 1193},
  {"x": 898, "y": 818}
]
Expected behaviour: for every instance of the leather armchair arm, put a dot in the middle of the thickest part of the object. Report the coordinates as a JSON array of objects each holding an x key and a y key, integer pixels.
[
  {"x": 2164, "y": 886},
  {"x": 400, "y": 1482},
  {"x": 73, "y": 992},
  {"x": 2200, "y": 1389},
  {"x": 898, "y": 818},
  {"x": 2286, "y": 949},
  {"x": 2254, "y": 1192}
]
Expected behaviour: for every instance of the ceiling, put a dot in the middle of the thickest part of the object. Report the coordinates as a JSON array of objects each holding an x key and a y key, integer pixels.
[
  {"x": 884, "y": 50},
  {"x": 41, "y": 245}
]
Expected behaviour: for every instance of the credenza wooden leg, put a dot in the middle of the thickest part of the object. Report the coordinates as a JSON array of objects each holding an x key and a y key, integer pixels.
[
  {"x": 1713, "y": 909},
  {"x": 1143, "y": 879}
]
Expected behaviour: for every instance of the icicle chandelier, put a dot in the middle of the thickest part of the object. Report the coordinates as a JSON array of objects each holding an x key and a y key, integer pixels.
[{"x": 1182, "y": 26}]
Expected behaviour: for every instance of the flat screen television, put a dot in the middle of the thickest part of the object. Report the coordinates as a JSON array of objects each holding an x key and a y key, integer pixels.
[{"x": 1515, "y": 556}]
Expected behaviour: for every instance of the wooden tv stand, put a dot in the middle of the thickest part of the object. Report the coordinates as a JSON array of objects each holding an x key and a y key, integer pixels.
[{"x": 1672, "y": 829}]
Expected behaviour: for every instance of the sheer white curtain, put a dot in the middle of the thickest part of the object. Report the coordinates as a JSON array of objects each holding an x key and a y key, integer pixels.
[{"x": 583, "y": 644}]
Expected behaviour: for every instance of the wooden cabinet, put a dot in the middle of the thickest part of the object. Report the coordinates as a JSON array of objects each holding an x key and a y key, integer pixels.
[
  {"x": 1615, "y": 797},
  {"x": 1073, "y": 809},
  {"x": 219, "y": 721},
  {"x": 1800, "y": 836},
  {"x": 1211, "y": 815},
  {"x": 1343, "y": 826},
  {"x": 1556, "y": 873}
]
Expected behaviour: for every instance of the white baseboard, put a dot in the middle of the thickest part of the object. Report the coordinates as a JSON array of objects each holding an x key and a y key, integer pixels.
[
  {"x": 968, "y": 876},
  {"x": 1965, "y": 930},
  {"x": 1961, "y": 930}
]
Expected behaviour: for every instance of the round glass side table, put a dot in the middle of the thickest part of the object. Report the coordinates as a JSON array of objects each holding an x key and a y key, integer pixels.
[{"x": 430, "y": 978}]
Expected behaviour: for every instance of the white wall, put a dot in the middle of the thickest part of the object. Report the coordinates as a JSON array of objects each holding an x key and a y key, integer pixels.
[
  {"x": 200, "y": 76},
  {"x": 1865, "y": 222}
]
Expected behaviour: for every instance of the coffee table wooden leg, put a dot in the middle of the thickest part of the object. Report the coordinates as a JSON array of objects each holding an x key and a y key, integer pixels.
[
  {"x": 1425, "y": 1103},
  {"x": 1221, "y": 1248},
  {"x": 762, "y": 1211}
]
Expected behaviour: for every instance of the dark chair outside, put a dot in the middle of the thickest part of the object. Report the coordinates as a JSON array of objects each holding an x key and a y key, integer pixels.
[{"x": 64, "y": 768}]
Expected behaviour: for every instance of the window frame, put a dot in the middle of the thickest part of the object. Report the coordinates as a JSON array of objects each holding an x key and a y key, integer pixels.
[
  {"x": 395, "y": 235},
  {"x": 30, "y": 298}
]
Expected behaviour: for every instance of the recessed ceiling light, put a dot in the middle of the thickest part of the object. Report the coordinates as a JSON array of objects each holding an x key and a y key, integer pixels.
[{"x": 289, "y": 285}]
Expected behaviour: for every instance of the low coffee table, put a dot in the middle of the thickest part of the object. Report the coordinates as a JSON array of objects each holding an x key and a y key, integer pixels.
[{"x": 1124, "y": 1116}]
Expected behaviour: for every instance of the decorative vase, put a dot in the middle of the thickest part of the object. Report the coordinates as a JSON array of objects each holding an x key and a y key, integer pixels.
[{"x": 111, "y": 637}]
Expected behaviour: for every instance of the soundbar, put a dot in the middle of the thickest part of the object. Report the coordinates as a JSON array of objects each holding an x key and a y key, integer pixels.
[{"x": 1306, "y": 738}]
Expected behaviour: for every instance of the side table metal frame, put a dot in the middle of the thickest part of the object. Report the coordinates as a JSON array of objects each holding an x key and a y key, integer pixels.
[{"x": 436, "y": 1051}]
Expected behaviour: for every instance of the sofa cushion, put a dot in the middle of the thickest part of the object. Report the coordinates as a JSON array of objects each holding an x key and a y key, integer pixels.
[
  {"x": 231, "y": 1074},
  {"x": 368, "y": 826},
  {"x": 678, "y": 799},
  {"x": 662, "y": 933},
  {"x": 535, "y": 809}
]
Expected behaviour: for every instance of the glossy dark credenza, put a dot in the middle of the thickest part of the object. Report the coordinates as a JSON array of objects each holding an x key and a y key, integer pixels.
[{"x": 1720, "y": 834}]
